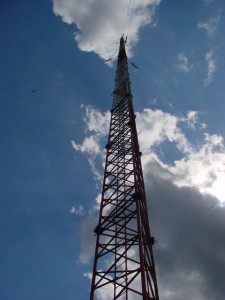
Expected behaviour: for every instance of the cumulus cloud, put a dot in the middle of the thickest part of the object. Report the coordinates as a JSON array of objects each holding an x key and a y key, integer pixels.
[
  {"x": 100, "y": 23},
  {"x": 98, "y": 126},
  {"x": 162, "y": 126},
  {"x": 186, "y": 203},
  {"x": 211, "y": 66},
  {"x": 196, "y": 166},
  {"x": 189, "y": 228},
  {"x": 211, "y": 25},
  {"x": 200, "y": 168},
  {"x": 183, "y": 63}
]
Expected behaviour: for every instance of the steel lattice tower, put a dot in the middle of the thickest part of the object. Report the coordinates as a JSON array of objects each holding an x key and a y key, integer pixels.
[{"x": 123, "y": 262}]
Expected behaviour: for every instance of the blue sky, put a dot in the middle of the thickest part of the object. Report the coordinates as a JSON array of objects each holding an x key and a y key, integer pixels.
[{"x": 55, "y": 97}]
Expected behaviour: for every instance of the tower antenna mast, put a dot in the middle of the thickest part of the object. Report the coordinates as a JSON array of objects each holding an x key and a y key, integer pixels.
[{"x": 123, "y": 263}]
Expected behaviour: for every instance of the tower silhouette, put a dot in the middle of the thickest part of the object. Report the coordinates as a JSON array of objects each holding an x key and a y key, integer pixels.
[{"x": 123, "y": 263}]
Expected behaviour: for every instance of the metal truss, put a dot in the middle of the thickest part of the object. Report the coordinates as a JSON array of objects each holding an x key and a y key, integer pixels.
[{"x": 123, "y": 264}]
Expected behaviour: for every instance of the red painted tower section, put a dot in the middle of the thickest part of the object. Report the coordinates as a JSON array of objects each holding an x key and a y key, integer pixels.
[{"x": 123, "y": 263}]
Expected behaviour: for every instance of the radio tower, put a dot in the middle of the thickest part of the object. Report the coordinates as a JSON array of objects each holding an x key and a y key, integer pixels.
[{"x": 123, "y": 263}]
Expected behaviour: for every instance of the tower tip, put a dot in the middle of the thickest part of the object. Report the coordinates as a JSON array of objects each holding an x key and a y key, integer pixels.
[
  {"x": 123, "y": 39},
  {"x": 122, "y": 52}
]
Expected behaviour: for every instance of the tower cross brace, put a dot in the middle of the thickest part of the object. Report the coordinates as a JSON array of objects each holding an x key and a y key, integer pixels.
[{"x": 123, "y": 263}]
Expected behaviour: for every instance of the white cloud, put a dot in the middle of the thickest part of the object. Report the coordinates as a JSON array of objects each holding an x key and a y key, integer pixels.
[
  {"x": 91, "y": 148},
  {"x": 89, "y": 145},
  {"x": 183, "y": 63},
  {"x": 211, "y": 25},
  {"x": 77, "y": 210},
  {"x": 96, "y": 121},
  {"x": 192, "y": 120},
  {"x": 156, "y": 126},
  {"x": 97, "y": 126},
  {"x": 192, "y": 117},
  {"x": 200, "y": 167},
  {"x": 211, "y": 65},
  {"x": 100, "y": 23}
]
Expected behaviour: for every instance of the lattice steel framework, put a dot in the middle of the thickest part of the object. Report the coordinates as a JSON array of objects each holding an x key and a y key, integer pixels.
[{"x": 123, "y": 264}]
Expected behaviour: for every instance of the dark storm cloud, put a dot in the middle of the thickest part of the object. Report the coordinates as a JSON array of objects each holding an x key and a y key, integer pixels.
[{"x": 189, "y": 226}]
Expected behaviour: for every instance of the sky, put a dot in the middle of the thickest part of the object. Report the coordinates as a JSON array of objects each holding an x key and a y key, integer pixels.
[{"x": 58, "y": 63}]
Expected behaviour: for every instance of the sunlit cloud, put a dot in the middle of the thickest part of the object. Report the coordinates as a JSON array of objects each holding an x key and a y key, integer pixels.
[
  {"x": 198, "y": 166},
  {"x": 100, "y": 23}
]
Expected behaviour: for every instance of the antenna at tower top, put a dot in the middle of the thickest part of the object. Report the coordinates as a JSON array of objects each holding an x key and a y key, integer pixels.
[{"x": 123, "y": 39}]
